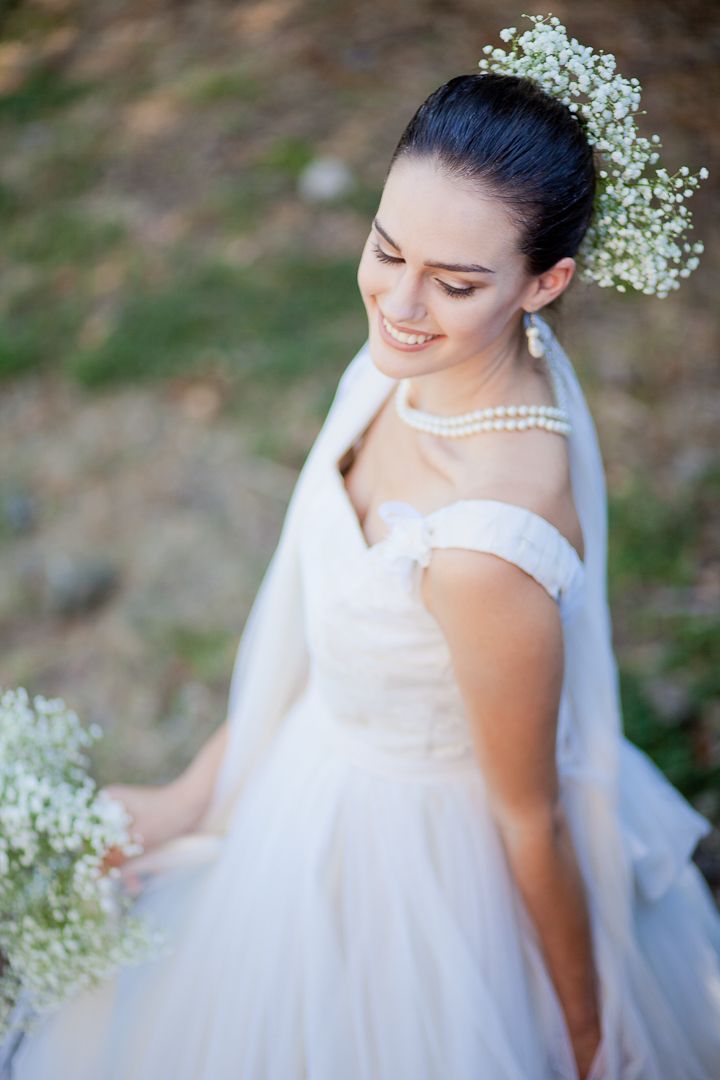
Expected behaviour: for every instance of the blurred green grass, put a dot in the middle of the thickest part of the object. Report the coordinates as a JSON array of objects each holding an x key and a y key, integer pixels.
[
  {"x": 207, "y": 653},
  {"x": 283, "y": 320},
  {"x": 656, "y": 549},
  {"x": 42, "y": 92},
  {"x": 651, "y": 539},
  {"x": 279, "y": 318}
]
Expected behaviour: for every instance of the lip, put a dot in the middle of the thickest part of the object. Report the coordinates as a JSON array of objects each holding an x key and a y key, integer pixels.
[{"x": 399, "y": 345}]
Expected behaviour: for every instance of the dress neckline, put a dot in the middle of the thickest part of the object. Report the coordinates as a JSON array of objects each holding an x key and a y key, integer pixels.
[
  {"x": 443, "y": 509},
  {"x": 340, "y": 479}
]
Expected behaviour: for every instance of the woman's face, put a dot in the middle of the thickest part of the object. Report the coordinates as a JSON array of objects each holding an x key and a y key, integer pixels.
[{"x": 441, "y": 266}]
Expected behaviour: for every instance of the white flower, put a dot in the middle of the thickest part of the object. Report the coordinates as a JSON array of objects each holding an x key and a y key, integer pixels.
[
  {"x": 65, "y": 925},
  {"x": 643, "y": 250}
]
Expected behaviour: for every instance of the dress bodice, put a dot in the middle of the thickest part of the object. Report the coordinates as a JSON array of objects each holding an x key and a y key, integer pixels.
[{"x": 378, "y": 659}]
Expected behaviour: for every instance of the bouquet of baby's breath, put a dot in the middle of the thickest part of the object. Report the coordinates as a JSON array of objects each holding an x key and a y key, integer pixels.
[{"x": 64, "y": 922}]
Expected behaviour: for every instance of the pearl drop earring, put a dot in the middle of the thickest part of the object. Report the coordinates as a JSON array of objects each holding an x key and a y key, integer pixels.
[{"x": 536, "y": 346}]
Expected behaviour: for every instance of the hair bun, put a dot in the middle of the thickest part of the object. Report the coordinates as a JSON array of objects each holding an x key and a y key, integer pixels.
[{"x": 637, "y": 236}]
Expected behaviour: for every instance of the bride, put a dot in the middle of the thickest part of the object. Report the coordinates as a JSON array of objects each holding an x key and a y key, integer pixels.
[{"x": 421, "y": 848}]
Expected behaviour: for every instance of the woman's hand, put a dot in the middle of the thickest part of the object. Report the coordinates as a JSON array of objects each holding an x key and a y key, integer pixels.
[
  {"x": 158, "y": 814},
  {"x": 161, "y": 813},
  {"x": 585, "y": 1042}
]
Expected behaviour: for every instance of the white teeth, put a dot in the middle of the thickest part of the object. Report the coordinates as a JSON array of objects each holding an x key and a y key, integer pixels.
[{"x": 406, "y": 339}]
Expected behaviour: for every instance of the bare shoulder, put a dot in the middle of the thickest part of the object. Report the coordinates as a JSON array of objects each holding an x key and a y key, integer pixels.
[
  {"x": 462, "y": 579},
  {"x": 518, "y": 615},
  {"x": 529, "y": 469}
]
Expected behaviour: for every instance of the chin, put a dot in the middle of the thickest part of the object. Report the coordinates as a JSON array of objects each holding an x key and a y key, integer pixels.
[{"x": 399, "y": 364}]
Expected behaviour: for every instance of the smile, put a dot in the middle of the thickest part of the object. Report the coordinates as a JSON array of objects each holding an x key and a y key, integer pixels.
[{"x": 406, "y": 339}]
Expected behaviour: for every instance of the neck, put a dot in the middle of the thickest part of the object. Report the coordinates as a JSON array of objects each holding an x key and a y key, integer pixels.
[{"x": 502, "y": 375}]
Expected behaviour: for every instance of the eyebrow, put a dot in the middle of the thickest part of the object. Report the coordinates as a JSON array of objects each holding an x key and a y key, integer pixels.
[{"x": 455, "y": 268}]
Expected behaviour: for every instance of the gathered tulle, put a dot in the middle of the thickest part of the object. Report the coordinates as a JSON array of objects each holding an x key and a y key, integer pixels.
[{"x": 346, "y": 931}]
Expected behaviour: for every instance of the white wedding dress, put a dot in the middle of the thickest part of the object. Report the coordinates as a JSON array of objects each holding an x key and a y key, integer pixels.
[{"x": 349, "y": 913}]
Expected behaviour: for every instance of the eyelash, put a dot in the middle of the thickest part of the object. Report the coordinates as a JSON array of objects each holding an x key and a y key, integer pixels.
[
  {"x": 449, "y": 290},
  {"x": 384, "y": 257},
  {"x": 456, "y": 292}
]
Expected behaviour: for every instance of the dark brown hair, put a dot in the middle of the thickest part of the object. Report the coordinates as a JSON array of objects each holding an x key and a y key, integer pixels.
[{"x": 508, "y": 136}]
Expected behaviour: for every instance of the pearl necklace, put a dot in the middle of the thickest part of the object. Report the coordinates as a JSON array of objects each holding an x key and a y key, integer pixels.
[{"x": 502, "y": 418}]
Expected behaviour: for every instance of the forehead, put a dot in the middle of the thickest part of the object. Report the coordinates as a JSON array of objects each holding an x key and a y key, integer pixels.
[{"x": 440, "y": 218}]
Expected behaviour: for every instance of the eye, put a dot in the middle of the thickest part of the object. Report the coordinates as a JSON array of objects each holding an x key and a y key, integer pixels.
[
  {"x": 384, "y": 257},
  {"x": 452, "y": 291}
]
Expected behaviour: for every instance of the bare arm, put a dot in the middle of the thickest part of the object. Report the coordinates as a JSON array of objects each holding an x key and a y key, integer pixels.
[
  {"x": 505, "y": 638},
  {"x": 162, "y": 813}
]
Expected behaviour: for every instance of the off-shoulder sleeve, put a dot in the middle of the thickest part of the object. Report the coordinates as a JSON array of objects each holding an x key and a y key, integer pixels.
[{"x": 510, "y": 532}]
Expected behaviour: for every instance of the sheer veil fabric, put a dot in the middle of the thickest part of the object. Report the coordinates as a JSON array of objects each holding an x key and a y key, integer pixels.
[{"x": 656, "y": 933}]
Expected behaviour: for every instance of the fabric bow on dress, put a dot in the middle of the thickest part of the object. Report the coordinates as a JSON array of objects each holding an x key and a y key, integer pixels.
[{"x": 408, "y": 546}]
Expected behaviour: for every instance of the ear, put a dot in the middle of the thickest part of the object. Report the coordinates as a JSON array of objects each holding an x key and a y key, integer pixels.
[{"x": 547, "y": 287}]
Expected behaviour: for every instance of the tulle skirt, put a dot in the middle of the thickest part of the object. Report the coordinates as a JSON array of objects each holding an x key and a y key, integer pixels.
[{"x": 361, "y": 924}]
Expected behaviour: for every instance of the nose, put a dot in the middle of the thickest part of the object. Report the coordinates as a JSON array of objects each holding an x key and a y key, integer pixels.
[{"x": 404, "y": 304}]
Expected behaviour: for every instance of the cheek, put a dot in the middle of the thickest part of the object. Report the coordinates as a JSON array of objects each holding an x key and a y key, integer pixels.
[
  {"x": 370, "y": 277},
  {"x": 464, "y": 320},
  {"x": 473, "y": 324}
]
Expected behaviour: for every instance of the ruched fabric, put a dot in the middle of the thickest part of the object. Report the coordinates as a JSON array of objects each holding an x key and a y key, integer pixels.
[
  {"x": 512, "y": 533},
  {"x": 349, "y": 912}
]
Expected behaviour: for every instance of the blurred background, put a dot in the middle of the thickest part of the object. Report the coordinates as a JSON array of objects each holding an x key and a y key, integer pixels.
[{"x": 185, "y": 189}]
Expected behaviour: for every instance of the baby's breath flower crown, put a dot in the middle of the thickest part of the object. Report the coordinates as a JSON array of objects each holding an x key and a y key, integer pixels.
[{"x": 637, "y": 236}]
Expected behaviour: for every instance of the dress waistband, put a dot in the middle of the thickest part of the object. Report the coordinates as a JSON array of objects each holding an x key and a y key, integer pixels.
[{"x": 362, "y": 748}]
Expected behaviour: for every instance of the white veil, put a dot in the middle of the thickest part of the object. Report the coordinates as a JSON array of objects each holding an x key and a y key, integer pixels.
[{"x": 634, "y": 834}]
